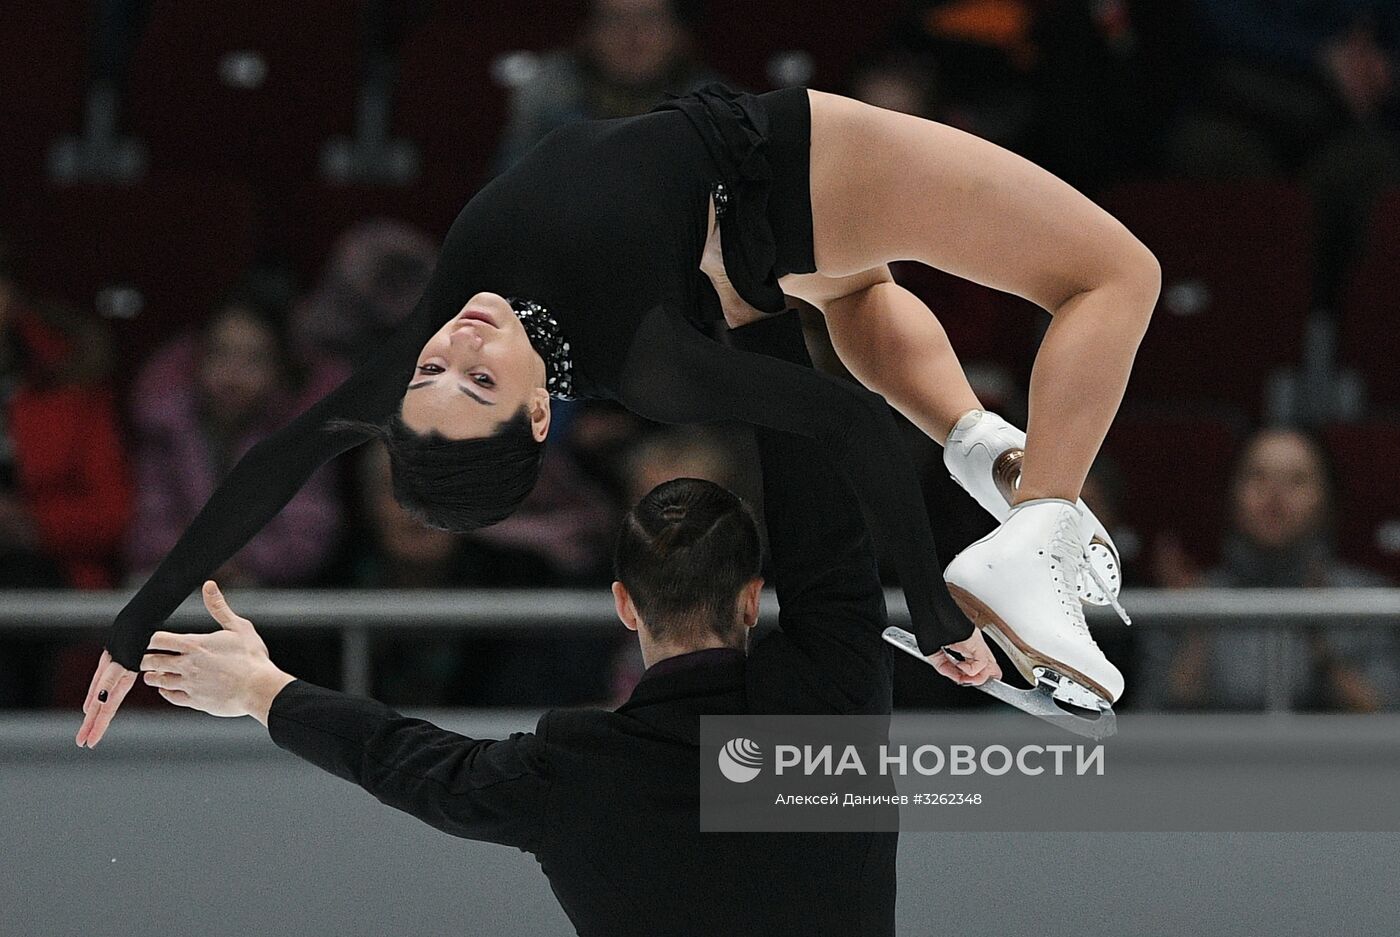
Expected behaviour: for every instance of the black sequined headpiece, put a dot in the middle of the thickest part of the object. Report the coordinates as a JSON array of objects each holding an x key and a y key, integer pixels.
[{"x": 544, "y": 335}]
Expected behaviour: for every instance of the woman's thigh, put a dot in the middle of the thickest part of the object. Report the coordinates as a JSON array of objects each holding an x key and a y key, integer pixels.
[{"x": 887, "y": 186}]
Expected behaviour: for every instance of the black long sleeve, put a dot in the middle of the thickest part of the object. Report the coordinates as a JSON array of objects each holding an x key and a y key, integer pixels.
[
  {"x": 698, "y": 380},
  {"x": 274, "y": 470},
  {"x": 484, "y": 789},
  {"x": 832, "y": 604}
]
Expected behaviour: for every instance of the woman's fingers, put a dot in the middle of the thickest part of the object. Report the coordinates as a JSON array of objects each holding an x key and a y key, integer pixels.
[
  {"x": 100, "y": 693},
  {"x": 116, "y": 682},
  {"x": 946, "y": 666},
  {"x": 102, "y": 663}
]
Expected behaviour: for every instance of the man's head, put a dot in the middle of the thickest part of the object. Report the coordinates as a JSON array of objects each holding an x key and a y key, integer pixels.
[{"x": 688, "y": 568}]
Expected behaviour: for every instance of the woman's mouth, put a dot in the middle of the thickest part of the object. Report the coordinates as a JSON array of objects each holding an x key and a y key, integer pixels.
[{"x": 479, "y": 315}]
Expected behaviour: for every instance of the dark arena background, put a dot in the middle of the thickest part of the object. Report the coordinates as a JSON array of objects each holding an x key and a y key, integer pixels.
[{"x": 208, "y": 206}]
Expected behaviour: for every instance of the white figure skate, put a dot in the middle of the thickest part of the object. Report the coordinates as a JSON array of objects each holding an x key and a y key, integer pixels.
[
  {"x": 1018, "y": 584},
  {"x": 983, "y": 454}
]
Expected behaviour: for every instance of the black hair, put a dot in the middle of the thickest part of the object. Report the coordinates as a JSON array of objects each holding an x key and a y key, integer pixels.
[
  {"x": 683, "y": 554},
  {"x": 458, "y": 485}
]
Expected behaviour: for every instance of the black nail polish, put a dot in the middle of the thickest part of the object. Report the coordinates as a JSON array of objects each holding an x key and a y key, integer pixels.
[{"x": 102, "y": 696}]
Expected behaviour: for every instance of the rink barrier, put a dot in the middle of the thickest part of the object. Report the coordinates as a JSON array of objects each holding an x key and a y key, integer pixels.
[{"x": 357, "y": 614}]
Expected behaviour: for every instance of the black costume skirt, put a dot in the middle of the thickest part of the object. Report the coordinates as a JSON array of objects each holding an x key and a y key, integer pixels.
[{"x": 761, "y": 145}]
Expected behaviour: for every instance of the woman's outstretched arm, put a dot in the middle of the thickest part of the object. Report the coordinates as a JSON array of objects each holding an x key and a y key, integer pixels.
[
  {"x": 274, "y": 470},
  {"x": 676, "y": 375}
]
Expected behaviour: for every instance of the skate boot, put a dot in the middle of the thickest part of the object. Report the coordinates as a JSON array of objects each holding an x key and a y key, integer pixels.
[
  {"x": 983, "y": 454},
  {"x": 1018, "y": 584}
]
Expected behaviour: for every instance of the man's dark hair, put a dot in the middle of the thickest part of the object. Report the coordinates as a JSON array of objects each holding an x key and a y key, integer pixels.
[
  {"x": 459, "y": 485},
  {"x": 683, "y": 553}
]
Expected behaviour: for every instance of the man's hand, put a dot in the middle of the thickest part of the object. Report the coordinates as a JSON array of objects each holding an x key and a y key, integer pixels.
[
  {"x": 976, "y": 667},
  {"x": 227, "y": 673}
]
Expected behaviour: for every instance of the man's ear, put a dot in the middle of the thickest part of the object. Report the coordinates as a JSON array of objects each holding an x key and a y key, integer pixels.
[
  {"x": 539, "y": 410},
  {"x": 749, "y": 599},
  {"x": 626, "y": 611}
]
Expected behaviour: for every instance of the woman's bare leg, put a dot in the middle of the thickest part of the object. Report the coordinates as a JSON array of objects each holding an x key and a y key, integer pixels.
[
  {"x": 892, "y": 343},
  {"x": 888, "y": 186}
]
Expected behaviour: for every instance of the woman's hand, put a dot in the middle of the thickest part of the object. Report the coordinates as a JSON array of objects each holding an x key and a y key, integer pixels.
[
  {"x": 227, "y": 673},
  {"x": 976, "y": 667},
  {"x": 736, "y": 311},
  {"x": 110, "y": 684}
]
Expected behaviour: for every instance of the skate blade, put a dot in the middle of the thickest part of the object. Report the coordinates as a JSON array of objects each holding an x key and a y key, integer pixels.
[
  {"x": 1042, "y": 700},
  {"x": 1107, "y": 566}
]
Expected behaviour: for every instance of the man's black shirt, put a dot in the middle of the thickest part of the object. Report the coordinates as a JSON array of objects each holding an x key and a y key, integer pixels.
[{"x": 608, "y": 802}]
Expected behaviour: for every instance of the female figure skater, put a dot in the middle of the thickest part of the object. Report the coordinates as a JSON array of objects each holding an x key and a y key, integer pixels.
[{"x": 578, "y": 273}]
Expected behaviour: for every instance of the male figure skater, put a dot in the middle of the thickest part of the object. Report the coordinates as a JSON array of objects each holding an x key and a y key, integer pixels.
[{"x": 608, "y": 802}]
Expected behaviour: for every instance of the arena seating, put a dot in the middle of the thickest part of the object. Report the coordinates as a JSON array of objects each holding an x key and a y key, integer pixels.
[
  {"x": 447, "y": 100},
  {"x": 152, "y": 256},
  {"x": 243, "y": 85},
  {"x": 1371, "y": 306},
  {"x": 1237, "y": 278},
  {"x": 739, "y": 37},
  {"x": 43, "y": 68},
  {"x": 1368, "y": 504},
  {"x": 1176, "y": 475}
]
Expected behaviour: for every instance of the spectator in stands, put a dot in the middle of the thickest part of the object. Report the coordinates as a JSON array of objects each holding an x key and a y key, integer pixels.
[
  {"x": 198, "y": 405},
  {"x": 984, "y": 52},
  {"x": 628, "y": 53},
  {"x": 65, "y": 487},
  {"x": 1281, "y": 502},
  {"x": 1078, "y": 86},
  {"x": 560, "y": 537},
  {"x": 1307, "y": 89},
  {"x": 680, "y": 452},
  {"x": 897, "y": 81},
  {"x": 376, "y": 272},
  {"x": 65, "y": 491}
]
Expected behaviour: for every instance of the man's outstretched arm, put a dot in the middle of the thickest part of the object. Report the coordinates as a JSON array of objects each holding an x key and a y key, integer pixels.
[{"x": 486, "y": 789}]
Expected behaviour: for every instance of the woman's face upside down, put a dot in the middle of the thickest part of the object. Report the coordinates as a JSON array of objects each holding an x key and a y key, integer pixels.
[{"x": 475, "y": 373}]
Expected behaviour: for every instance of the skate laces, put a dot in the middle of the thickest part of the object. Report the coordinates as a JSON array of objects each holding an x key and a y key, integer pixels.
[
  {"x": 1068, "y": 551},
  {"x": 1108, "y": 594}
]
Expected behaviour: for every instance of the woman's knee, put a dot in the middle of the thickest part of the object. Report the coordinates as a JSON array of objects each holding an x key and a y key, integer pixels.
[{"x": 1131, "y": 273}]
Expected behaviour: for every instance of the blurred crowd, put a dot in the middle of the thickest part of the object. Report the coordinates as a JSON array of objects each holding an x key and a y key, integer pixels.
[{"x": 112, "y": 434}]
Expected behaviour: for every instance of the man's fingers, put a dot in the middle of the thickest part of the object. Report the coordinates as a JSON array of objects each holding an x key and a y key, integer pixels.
[
  {"x": 165, "y": 663},
  {"x": 176, "y": 697},
  {"x": 216, "y": 604},
  {"x": 170, "y": 681},
  {"x": 218, "y": 607},
  {"x": 169, "y": 641}
]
